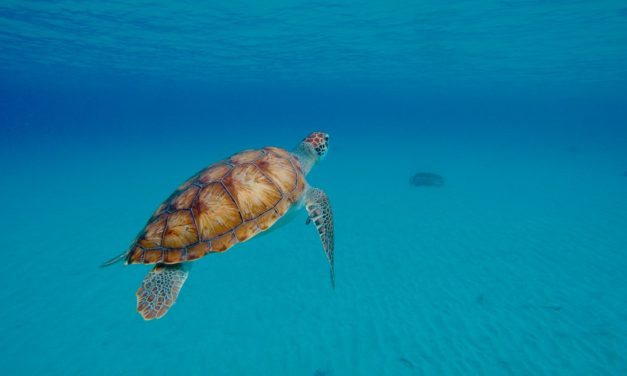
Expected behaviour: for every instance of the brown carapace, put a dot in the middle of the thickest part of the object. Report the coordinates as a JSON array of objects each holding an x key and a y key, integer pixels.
[{"x": 226, "y": 203}]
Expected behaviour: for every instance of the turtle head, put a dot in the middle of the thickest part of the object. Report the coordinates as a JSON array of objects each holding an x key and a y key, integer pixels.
[
  {"x": 317, "y": 143},
  {"x": 312, "y": 149}
]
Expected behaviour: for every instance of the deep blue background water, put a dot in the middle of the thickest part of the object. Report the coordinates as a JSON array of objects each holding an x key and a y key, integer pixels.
[{"x": 515, "y": 266}]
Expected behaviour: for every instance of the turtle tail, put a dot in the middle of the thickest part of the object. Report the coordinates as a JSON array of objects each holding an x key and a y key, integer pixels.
[{"x": 114, "y": 260}]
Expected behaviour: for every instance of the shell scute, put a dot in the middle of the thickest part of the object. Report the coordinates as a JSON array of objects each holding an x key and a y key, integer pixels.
[
  {"x": 153, "y": 232},
  {"x": 254, "y": 193},
  {"x": 215, "y": 212},
  {"x": 187, "y": 183},
  {"x": 136, "y": 255},
  {"x": 280, "y": 170},
  {"x": 267, "y": 219},
  {"x": 213, "y": 173},
  {"x": 246, "y": 231},
  {"x": 224, "y": 242},
  {"x": 173, "y": 256},
  {"x": 153, "y": 256},
  {"x": 197, "y": 251},
  {"x": 246, "y": 156},
  {"x": 283, "y": 206},
  {"x": 180, "y": 230},
  {"x": 278, "y": 151},
  {"x": 184, "y": 199},
  {"x": 160, "y": 210}
]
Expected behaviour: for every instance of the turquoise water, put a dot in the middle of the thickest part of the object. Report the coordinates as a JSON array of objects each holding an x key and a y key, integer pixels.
[{"x": 515, "y": 266}]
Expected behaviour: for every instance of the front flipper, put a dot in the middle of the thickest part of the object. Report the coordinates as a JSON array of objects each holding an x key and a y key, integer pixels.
[
  {"x": 319, "y": 210},
  {"x": 159, "y": 290}
]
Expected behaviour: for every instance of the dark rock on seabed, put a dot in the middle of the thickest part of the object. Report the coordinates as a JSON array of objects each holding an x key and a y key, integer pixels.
[{"x": 426, "y": 179}]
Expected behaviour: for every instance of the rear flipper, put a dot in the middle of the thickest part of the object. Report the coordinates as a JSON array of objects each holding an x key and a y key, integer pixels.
[{"x": 160, "y": 289}]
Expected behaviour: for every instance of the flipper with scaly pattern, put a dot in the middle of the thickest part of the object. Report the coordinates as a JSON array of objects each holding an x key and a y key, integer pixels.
[
  {"x": 319, "y": 209},
  {"x": 160, "y": 289}
]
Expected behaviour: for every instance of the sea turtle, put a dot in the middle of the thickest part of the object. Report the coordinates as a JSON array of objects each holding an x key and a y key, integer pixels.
[{"x": 227, "y": 203}]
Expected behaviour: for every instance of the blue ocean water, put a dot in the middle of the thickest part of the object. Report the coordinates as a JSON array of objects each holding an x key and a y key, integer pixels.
[{"x": 515, "y": 266}]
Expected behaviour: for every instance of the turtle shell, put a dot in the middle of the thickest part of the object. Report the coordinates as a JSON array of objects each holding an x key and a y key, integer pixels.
[{"x": 226, "y": 203}]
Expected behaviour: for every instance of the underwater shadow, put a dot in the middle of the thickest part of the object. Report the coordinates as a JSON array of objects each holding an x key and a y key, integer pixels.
[{"x": 426, "y": 179}]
